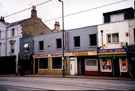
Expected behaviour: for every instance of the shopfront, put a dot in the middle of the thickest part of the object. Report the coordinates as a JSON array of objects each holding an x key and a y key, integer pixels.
[
  {"x": 50, "y": 64},
  {"x": 113, "y": 62}
]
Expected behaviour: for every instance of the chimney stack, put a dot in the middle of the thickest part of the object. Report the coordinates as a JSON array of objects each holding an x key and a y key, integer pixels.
[
  {"x": 33, "y": 12},
  {"x": 2, "y": 19},
  {"x": 57, "y": 26}
]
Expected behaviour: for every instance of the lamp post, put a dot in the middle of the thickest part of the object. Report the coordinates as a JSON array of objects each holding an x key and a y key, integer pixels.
[{"x": 63, "y": 36}]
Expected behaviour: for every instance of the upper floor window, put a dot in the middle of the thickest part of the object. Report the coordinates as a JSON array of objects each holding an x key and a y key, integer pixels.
[
  {"x": 12, "y": 48},
  {"x": 26, "y": 47},
  {"x": 117, "y": 17},
  {"x": 41, "y": 45},
  {"x": 13, "y": 32},
  {"x": 77, "y": 41},
  {"x": 58, "y": 43},
  {"x": 93, "y": 39},
  {"x": 113, "y": 38}
]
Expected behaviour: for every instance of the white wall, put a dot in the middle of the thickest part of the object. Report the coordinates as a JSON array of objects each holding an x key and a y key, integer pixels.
[
  {"x": 116, "y": 27},
  {"x": 15, "y": 38},
  {"x": 2, "y": 38},
  {"x": 131, "y": 33}
]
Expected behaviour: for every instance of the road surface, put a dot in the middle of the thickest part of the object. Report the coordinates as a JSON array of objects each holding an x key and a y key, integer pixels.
[{"x": 46, "y": 83}]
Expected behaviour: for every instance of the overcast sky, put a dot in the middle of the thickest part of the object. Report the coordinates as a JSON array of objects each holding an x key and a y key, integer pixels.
[{"x": 52, "y": 10}]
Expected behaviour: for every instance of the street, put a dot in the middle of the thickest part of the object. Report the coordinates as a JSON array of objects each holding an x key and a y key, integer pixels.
[{"x": 46, "y": 83}]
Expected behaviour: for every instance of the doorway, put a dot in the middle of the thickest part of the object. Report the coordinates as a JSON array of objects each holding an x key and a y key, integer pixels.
[
  {"x": 116, "y": 67},
  {"x": 36, "y": 66},
  {"x": 81, "y": 65}
]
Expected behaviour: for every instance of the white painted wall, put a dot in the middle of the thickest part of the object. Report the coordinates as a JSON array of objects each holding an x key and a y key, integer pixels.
[
  {"x": 2, "y": 38},
  {"x": 131, "y": 26},
  {"x": 15, "y": 38},
  {"x": 116, "y": 27}
]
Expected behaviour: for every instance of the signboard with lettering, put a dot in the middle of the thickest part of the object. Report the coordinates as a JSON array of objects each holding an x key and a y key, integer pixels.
[{"x": 112, "y": 51}]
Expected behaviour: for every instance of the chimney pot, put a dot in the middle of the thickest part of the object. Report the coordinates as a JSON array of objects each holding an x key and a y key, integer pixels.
[
  {"x": 56, "y": 26},
  {"x": 33, "y": 12}
]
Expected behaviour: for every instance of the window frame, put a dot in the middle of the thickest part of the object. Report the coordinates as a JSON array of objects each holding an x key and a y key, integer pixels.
[
  {"x": 12, "y": 50},
  {"x": 12, "y": 32},
  {"x": 41, "y": 60},
  {"x": 55, "y": 60},
  {"x": 40, "y": 48},
  {"x": 111, "y": 38},
  {"x": 91, "y": 41},
  {"x": 25, "y": 49},
  {"x": 57, "y": 43},
  {"x": 75, "y": 41}
]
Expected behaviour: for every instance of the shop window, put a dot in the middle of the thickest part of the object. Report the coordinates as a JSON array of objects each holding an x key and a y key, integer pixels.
[
  {"x": 58, "y": 43},
  {"x": 106, "y": 63},
  {"x": 26, "y": 47},
  {"x": 13, "y": 32},
  {"x": 113, "y": 38},
  {"x": 124, "y": 66},
  {"x": 77, "y": 41},
  {"x": 41, "y": 45},
  {"x": 43, "y": 63},
  {"x": 91, "y": 63},
  {"x": 93, "y": 40},
  {"x": 57, "y": 63}
]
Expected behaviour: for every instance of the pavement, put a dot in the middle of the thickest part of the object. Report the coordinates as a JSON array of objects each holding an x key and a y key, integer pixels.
[{"x": 71, "y": 76}]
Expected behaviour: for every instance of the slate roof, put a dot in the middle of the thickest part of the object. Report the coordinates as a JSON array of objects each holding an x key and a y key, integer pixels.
[
  {"x": 5, "y": 23},
  {"x": 17, "y": 22}
]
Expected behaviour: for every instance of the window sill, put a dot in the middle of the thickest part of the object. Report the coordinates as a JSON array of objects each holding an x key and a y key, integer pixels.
[
  {"x": 41, "y": 50},
  {"x": 56, "y": 69},
  {"x": 93, "y": 46},
  {"x": 77, "y": 47},
  {"x": 42, "y": 69},
  {"x": 113, "y": 43},
  {"x": 59, "y": 48}
]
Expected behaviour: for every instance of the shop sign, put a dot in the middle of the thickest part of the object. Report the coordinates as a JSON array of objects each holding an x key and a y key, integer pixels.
[
  {"x": 56, "y": 55},
  {"x": 112, "y": 51},
  {"x": 40, "y": 56}
]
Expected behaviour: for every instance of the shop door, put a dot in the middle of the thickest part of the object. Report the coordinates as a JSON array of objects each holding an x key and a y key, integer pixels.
[
  {"x": 81, "y": 66},
  {"x": 36, "y": 66},
  {"x": 116, "y": 67},
  {"x": 72, "y": 68}
]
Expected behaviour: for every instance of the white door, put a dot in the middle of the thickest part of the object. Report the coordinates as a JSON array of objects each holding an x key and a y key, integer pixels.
[{"x": 72, "y": 68}]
